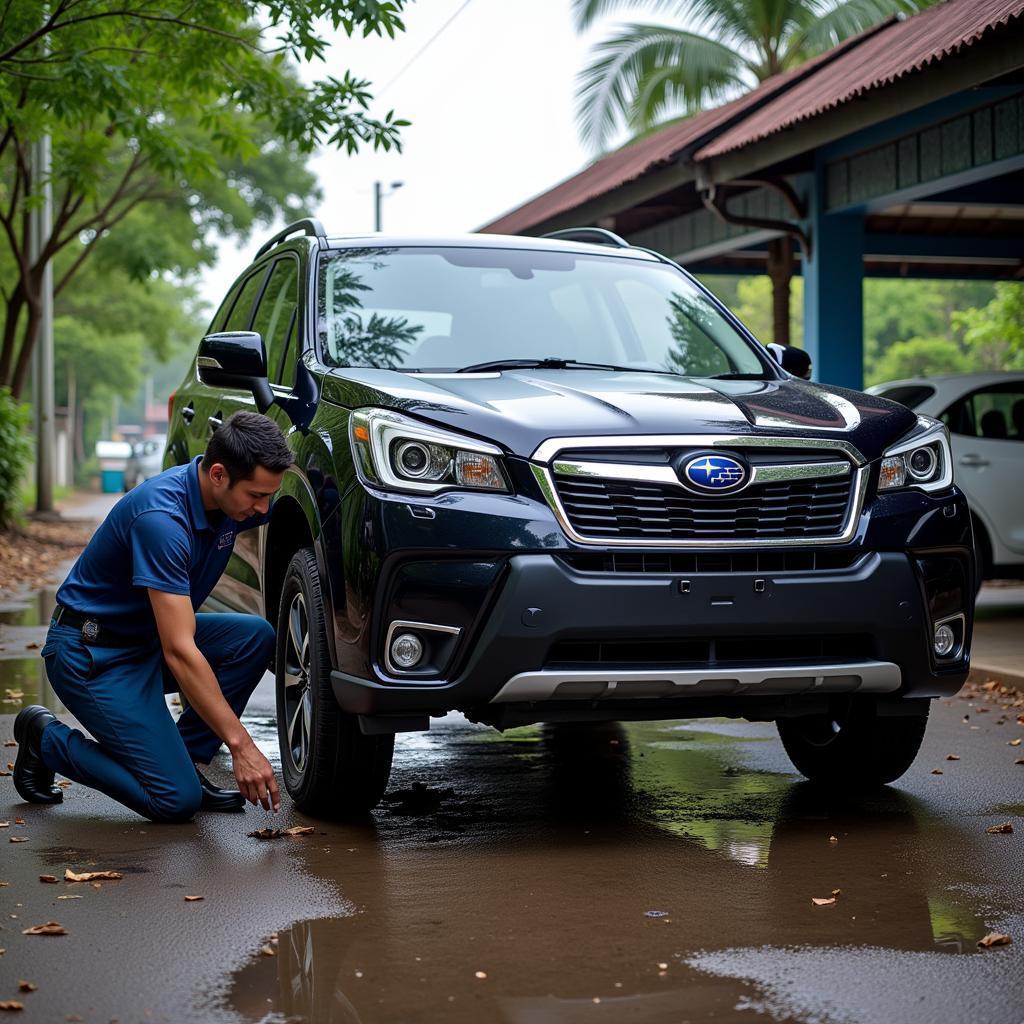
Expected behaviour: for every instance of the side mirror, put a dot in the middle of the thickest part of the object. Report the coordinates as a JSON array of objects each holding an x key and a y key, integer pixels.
[
  {"x": 236, "y": 359},
  {"x": 793, "y": 360}
]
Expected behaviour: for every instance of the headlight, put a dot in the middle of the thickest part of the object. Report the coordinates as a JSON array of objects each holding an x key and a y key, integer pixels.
[
  {"x": 922, "y": 459},
  {"x": 394, "y": 452}
]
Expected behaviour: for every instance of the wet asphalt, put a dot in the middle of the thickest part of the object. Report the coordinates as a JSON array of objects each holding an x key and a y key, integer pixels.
[{"x": 640, "y": 873}]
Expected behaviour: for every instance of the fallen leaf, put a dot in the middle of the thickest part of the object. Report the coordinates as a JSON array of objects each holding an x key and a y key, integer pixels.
[
  {"x": 91, "y": 876},
  {"x": 70, "y": 897},
  {"x": 34, "y": 646},
  {"x": 53, "y": 879},
  {"x": 480, "y": 974},
  {"x": 299, "y": 830},
  {"x": 277, "y": 833},
  {"x": 268, "y": 951},
  {"x": 937, "y": 771},
  {"x": 194, "y": 899},
  {"x": 4, "y": 773},
  {"x": 64, "y": 784},
  {"x": 26, "y": 986},
  {"x": 19, "y": 821},
  {"x": 11, "y": 1004},
  {"x": 5, "y": 824},
  {"x": 50, "y": 928},
  {"x": 833, "y": 839},
  {"x": 952, "y": 757},
  {"x": 14, "y": 743},
  {"x": 265, "y": 833},
  {"x": 1020, "y": 760},
  {"x": 19, "y": 839},
  {"x": 1005, "y": 829},
  {"x": 994, "y": 939},
  {"x": 821, "y": 901},
  {"x": 10, "y": 766},
  {"x": 1013, "y": 743}
]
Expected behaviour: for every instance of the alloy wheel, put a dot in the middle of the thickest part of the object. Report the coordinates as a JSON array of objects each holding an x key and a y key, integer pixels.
[{"x": 298, "y": 698}]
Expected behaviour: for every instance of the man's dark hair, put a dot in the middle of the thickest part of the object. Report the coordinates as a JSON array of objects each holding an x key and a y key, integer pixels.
[{"x": 244, "y": 441}]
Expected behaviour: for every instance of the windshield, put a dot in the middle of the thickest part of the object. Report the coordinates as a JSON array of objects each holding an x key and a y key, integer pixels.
[{"x": 444, "y": 309}]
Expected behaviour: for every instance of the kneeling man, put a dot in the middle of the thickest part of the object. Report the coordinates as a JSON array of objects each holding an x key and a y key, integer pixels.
[{"x": 125, "y": 632}]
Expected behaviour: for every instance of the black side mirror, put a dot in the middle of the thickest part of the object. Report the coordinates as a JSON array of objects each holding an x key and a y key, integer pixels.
[
  {"x": 236, "y": 359},
  {"x": 793, "y": 360}
]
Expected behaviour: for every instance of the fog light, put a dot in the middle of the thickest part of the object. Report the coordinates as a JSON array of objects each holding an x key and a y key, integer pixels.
[
  {"x": 944, "y": 640},
  {"x": 407, "y": 649}
]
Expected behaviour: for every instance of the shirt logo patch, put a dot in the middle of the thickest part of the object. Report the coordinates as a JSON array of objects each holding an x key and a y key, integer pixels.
[{"x": 225, "y": 540}]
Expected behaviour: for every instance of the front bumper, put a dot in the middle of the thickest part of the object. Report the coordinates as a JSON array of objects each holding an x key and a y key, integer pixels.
[{"x": 552, "y": 634}]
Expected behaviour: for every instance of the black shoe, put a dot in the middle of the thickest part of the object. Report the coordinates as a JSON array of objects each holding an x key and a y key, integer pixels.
[
  {"x": 216, "y": 799},
  {"x": 32, "y": 779}
]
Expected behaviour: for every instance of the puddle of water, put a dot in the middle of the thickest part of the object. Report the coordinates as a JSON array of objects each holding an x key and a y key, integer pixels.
[
  {"x": 28, "y": 609},
  {"x": 541, "y": 876},
  {"x": 24, "y": 682}
]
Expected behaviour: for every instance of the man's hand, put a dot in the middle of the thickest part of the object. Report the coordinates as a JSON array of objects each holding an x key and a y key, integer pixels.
[{"x": 255, "y": 777}]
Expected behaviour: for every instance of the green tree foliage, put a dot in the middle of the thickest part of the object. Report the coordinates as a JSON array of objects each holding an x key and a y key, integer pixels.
[
  {"x": 994, "y": 335},
  {"x": 185, "y": 116},
  {"x": 647, "y": 74},
  {"x": 918, "y": 357},
  {"x": 15, "y": 451}
]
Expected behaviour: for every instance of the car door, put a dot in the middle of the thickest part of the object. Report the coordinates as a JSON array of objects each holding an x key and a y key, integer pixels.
[
  {"x": 987, "y": 435},
  {"x": 274, "y": 320}
]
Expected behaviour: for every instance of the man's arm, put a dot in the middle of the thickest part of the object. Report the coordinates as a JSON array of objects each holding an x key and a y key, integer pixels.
[{"x": 176, "y": 624}]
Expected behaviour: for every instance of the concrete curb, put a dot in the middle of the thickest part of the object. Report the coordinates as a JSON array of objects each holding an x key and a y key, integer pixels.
[{"x": 982, "y": 672}]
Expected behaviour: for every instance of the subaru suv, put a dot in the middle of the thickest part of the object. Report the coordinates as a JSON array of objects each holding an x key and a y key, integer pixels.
[{"x": 555, "y": 480}]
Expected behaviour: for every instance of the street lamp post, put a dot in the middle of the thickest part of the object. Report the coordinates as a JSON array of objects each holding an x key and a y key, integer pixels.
[{"x": 378, "y": 195}]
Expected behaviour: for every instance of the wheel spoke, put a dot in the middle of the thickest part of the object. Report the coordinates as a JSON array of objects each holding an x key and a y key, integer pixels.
[
  {"x": 294, "y": 740},
  {"x": 293, "y": 679},
  {"x": 297, "y": 627}
]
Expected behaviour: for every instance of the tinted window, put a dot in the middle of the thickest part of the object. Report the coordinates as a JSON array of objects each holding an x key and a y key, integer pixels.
[
  {"x": 910, "y": 395},
  {"x": 217, "y": 323},
  {"x": 426, "y": 308},
  {"x": 274, "y": 316},
  {"x": 994, "y": 412},
  {"x": 238, "y": 318}
]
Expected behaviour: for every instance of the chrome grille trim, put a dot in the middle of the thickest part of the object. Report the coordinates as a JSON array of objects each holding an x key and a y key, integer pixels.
[{"x": 663, "y": 475}]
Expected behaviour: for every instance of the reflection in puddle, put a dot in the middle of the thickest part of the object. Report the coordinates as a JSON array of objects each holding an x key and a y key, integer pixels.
[
  {"x": 23, "y": 681},
  {"x": 586, "y": 873}
]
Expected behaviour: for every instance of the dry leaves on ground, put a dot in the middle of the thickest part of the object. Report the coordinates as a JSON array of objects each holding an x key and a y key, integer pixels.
[
  {"x": 50, "y": 928},
  {"x": 11, "y": 1004},
  {"x": 278, "y": 833},
  {"x": 1013, "y": 743},
  {"x": 29, "y": 555},
  {"x": 1004, "y": 829},
  {"x": 27, "y": 986},
  {"x": 52, "y": 879},
  {"x": 91, "y": 876},
  {"x": 994, "y": 939},
  {"x": 952, "y": 757},
  {"x": 822, "y": 901},
  {"x": 10, "y": 743},
  {"x": 18, "y": 839},
  {"x": 194, "y": 899}
]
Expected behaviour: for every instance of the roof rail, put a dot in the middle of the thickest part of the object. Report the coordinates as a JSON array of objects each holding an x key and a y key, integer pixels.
[
  {"x": 307, "y": 226},
  {"x": 599, "y": 236}
]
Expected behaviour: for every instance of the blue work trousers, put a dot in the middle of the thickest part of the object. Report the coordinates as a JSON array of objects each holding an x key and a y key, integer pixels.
[{"x": 140, "y": 756}]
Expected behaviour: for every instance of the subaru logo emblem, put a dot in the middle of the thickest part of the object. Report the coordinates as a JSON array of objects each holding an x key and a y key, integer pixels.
[{"x": 714, "y": 472}]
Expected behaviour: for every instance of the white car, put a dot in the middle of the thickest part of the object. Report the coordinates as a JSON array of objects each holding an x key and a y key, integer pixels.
[
  {"x": 145, "y": 461},
  {"x": 985, "y": 416}
]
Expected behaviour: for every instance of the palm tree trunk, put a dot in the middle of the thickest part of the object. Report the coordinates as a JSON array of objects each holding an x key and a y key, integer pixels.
[{"x": 780, "y": 271}]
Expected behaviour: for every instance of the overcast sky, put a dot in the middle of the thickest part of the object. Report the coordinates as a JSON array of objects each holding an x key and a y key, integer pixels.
[{"x": 491, "y": 103}]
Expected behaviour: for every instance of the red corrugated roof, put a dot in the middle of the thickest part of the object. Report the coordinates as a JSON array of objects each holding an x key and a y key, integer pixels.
[
  {"x": 904, "y": 47},
  {"x": 633, "y": 160}
]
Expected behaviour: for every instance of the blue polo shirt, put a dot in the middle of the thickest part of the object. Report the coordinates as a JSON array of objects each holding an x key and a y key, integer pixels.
[{"x": 157, "y": 536}]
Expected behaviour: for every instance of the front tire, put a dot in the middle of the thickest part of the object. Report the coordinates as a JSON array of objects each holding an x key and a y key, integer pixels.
[
  {"x": 853, "y": 747},
  {"x": 330, "y": 769}
]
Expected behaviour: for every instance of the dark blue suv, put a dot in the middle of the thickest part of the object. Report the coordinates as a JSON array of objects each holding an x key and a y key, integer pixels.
[{"x": 555, "y": 480}]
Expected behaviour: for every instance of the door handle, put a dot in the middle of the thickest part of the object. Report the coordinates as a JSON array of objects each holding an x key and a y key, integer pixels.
[
  {"x": 188, "y": 413},
  {"x": 971, "y": 459},
  {"x": 216, "y": 420}
]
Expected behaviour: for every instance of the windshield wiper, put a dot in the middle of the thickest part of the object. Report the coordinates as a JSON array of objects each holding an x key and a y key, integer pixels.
[
  {"x": 737, "y": 376},
  {"x": 551, "y": 363}
]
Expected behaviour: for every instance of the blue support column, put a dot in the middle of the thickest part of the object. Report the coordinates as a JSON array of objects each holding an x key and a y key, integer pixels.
[{"x": 834, "y": 292}]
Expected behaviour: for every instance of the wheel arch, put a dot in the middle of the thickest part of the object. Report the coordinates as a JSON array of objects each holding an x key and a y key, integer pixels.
[{"x": 294, "y": 524}]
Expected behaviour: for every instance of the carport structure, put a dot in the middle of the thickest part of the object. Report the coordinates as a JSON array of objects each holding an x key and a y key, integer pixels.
[{"x": 899, "y": 152}]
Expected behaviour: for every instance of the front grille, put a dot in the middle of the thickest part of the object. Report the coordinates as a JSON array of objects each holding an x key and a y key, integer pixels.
[
  {"x": 711, "y": 652},
  {"x": 771, "y": 560},
  {"x": 631, "y": 510}
]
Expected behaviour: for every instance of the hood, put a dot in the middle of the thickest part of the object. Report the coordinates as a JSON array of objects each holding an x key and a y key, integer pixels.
[{"x": 519, "y": 409}]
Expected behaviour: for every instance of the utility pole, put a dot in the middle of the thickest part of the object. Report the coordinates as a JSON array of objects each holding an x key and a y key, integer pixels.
[
  {"x": 42, "y": 366},
  {"x": 378, "y": 195}
]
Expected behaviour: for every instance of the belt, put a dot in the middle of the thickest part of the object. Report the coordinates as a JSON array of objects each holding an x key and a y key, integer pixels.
[{"x": 92, "y": 632}]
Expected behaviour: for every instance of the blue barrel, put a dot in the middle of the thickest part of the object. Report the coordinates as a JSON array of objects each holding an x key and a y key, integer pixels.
[{"x": 112, "y": 481}]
